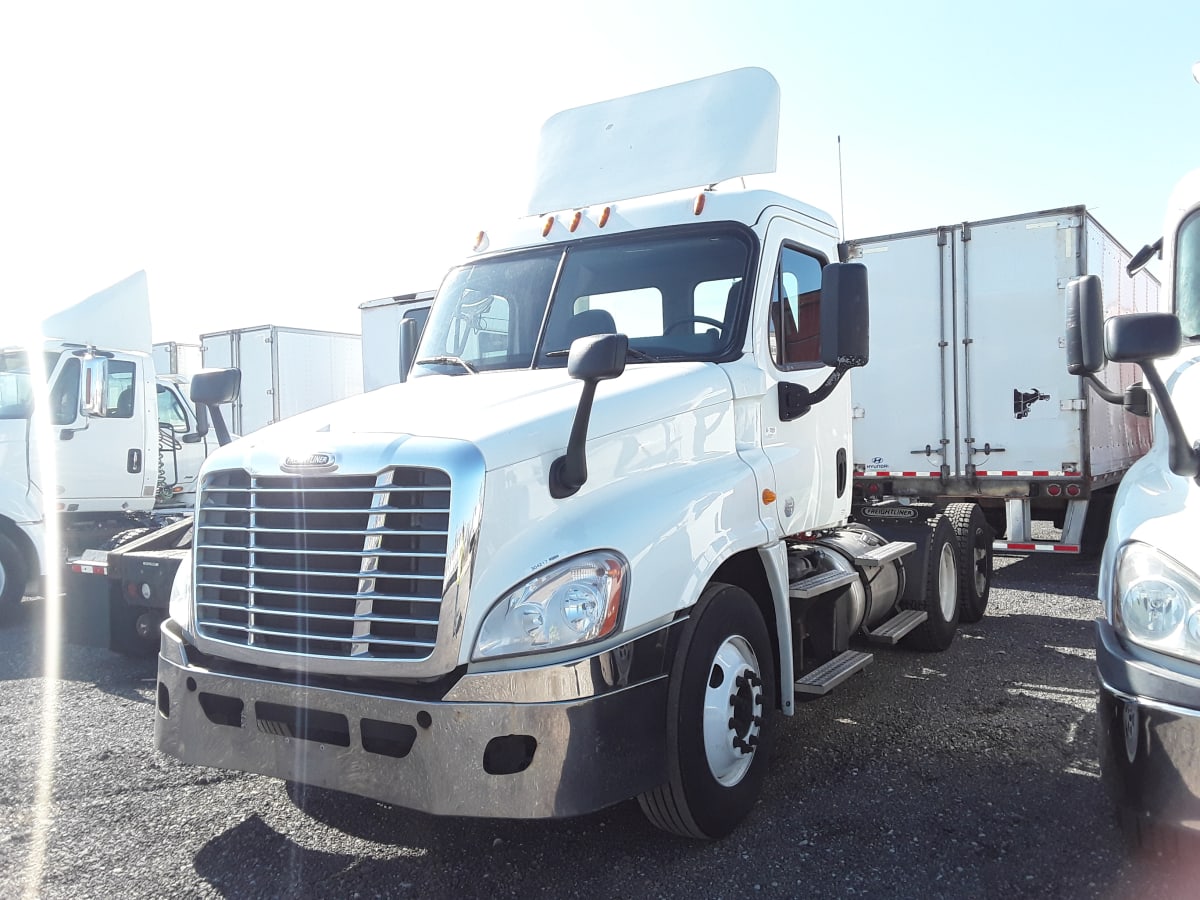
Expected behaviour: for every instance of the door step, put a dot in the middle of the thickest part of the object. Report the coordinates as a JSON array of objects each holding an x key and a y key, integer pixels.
[
  {"x": 886, "y": 553},
  {"x": 821, "y": 680},
  {"x": 818, "y": 584},
  {"x": 897, "y": 626}
]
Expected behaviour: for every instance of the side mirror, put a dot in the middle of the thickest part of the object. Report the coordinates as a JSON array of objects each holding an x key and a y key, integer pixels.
[
  {"x": 95, "y": 379},
  {"x": 216, "y": 385},
  {"x": 592, "y": 359},
  {"x": 1139, "y": 337},
  {"x": 1085, "y": 326},
  {"x": 845, "y": 316},
  {"x": 1143, "y": 256},
  {"x": 408, "y": 346}
]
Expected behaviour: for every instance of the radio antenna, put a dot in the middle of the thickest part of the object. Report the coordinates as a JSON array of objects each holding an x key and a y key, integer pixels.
[{"x": 841, "y": 187}]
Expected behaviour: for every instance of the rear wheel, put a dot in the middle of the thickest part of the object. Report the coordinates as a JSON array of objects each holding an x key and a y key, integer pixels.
[
  {"x": 940, "y": 597},
  {"x": 719, "y": 707},
  {"x": 973, "y": 536}
]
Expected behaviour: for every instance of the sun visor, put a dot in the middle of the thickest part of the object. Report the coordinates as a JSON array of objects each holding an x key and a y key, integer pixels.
[{"x": 684, "y": 135}]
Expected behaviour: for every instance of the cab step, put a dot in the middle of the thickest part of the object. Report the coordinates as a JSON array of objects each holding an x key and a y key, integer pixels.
[
  {"x": 884, "y": 554},
  {"x": 897, "y": 626},
  {"x": 820, "y": 583},
  {"x": 823, "y": 679}
]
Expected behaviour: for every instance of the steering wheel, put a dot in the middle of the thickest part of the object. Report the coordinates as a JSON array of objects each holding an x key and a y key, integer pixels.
[{"x": 691, "y": 320}]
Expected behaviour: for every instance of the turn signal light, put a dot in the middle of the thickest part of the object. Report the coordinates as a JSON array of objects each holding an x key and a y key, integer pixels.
[
  {"x": 698, "y": 206},
  {"x": 547, "y": 225},
  {"x": 576, "y": 220},
  {"x": 768, "y": 496},
  {"x": 604, "y": 214}
]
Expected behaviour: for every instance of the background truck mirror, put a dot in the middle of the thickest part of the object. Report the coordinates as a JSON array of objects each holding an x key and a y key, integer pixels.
[
  {"x": 845, "y": 318},
  {"x": 1085, "y": 326},
  {"x": 216, "y": 385},
  {"x": 95, "y": 380}
]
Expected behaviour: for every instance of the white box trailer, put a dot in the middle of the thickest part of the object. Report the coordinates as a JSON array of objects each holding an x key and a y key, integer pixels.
[
  {"x": 969, "y": 397},
  {"x": 285, "y": 371},
  {"x": 382, "y": 324},
  {"x": 175, "y": 358}
]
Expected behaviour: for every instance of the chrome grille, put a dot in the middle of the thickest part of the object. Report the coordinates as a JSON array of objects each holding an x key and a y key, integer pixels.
[{"x": 347, "y": 566}]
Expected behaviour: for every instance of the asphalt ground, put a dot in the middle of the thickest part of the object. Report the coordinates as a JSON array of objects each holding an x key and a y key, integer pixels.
[{"x": 969, "y": 773}]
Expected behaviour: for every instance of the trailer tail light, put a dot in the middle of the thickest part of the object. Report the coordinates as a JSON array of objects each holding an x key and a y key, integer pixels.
[
  {"x": 698, "y": 206},
  {"x": 547, "y": 225},
  {"x": 1054, "y": 490},
  {"x": 1074, "y": 490},
  {"x": 576, "y": 219},
  {"x": 874, "y": 489},
  {"x": 604, "y": 215}
]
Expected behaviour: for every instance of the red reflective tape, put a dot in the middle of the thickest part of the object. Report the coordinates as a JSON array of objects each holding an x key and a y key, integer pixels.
[
  {"x": 1009, "y": 473},
  {"x": 1021, "y": 546},
  {"x": 1041, "y": 474},
  {"x": 1066, "y": 548}
]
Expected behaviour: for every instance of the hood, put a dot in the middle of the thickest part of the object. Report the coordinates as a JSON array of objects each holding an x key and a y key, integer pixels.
[{"x": 510, "y": 416}]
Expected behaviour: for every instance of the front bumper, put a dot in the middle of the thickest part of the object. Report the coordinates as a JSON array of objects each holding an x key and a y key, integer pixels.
[
  {"x": 555, "y": 741},
  {"x": 1148, "y": 723}
]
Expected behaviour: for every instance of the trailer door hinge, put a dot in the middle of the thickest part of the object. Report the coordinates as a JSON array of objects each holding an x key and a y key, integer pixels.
[
  {"x": 858, "y": 413},
  {"x": 1070, "y": 222},
  {"x": 1073, "y": 404},
  {"x": 966, "y": 231}
]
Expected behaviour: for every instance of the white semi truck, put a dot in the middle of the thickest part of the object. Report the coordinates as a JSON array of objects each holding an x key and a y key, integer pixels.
[
  {"x": 1148, "y": 642},
  {"x": 604, "y": 531},
  {"x": 391, "y": 327},
  {"x": 125, "y": 441},
  {"x": 989, "y": 412}
]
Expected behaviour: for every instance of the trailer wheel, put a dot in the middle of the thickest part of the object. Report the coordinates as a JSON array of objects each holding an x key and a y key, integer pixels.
[
  {"x": 719, "y": 707},
  {"x": 940, "y": 597},
  {"x": 121, "y": 538},
  {"x": 13, "y": 575},
  {"x": 974, "y": 538}
]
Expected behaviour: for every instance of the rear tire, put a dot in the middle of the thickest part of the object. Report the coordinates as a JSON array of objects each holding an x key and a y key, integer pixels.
[
  {"x": 719, "y": 706},
  {"x": 940, "y": 597},
  {"x": 973, "y": 536}
]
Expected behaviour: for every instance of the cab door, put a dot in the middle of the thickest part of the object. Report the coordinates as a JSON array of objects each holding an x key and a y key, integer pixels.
[
  {"x": 107, "y": 458},
  {"x": 808, "y": 448}
]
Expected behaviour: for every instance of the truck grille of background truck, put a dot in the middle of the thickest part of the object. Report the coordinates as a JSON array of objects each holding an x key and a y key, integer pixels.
[{"x": 346, "y": 566}]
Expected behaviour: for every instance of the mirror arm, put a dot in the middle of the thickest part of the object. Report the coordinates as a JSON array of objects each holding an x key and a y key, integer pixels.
[
  {"x": 569, "y": 472},
  {"x": 1107, "y": 395},
  {"x": 1183, "y": 458},
  {"x": 795, "y": 400}
]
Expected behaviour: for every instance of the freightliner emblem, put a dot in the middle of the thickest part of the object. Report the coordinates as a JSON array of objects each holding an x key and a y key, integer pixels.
[
  {"x": 889, "y": 512},
  {"x": 309, "y": 462}
]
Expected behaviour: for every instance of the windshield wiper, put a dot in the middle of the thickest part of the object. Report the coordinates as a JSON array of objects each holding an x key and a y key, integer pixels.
[
  {"x": 448, "y": 361},
  {"x": 630, "y": 353}
]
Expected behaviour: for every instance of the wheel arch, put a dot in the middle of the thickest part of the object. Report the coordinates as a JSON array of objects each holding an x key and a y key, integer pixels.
[{"x": 24, "y": 544}]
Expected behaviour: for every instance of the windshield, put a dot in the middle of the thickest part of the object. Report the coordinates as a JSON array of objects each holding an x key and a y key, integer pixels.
[
  {"x": 676, "y": 294},
  {"x": 1187, "y": 276}
]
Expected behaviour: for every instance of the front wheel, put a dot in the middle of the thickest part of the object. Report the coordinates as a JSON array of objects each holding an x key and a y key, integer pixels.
[
  {"x": 719, "y": 707},
  {"x": 13, "y": 576},
  {"x": 940, "y": 597}
]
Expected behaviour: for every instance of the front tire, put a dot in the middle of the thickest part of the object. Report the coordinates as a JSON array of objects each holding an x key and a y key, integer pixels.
[
  {"x": 719, "y": 708},
  {"x": 13, "y": 576},
  {"x": 940, "y": 597}
]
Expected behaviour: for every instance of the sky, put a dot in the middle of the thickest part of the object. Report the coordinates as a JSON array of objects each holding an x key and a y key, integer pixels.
[{"x": 281, "y": 163}]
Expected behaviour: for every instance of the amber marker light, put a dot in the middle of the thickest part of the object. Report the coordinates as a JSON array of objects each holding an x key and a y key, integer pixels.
[
  {"x": 481, "y": 241},
  {"x": 604, "y": 214},
  {"x": 698, "y": 206},
  {"x": 547, "y": 225},
  {"x": 768, "y": 496},
  {"x": 576, "y": 219}
]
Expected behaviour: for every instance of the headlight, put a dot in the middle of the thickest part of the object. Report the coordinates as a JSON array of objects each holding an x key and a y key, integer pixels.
[
  {"x": 180, "y": 607},
  {"x": 574, "y": 602},
  {"x": 1157, "y": 601}
]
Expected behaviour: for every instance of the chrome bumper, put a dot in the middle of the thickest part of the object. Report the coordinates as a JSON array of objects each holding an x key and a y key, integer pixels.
[{"x": 556, "y": 741}]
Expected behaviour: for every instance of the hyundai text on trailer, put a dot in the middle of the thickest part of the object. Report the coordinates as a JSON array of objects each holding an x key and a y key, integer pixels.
[
  {"x": 1148, "y": 643},
  {"x": 602, "y": 533}
]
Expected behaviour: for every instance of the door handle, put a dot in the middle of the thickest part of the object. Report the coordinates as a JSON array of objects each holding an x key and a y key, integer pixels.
[{"x": 133, "y": 461}]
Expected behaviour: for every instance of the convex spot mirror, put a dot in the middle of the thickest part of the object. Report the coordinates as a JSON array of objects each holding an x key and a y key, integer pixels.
[
  {"x": 1142, "y": 336},
  {"x": 845, "y": 316}
]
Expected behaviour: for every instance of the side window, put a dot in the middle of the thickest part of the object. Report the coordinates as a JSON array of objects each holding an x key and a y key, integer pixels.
[
  {"x": 119, "y": 389},
  {"x": 64, "y": 395},
  {"x": 169, "y": 410},
  {"x": 794, "y": 331}
]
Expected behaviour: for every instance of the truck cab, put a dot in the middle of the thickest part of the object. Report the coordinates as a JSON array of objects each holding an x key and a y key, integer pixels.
[{"x": 1148, "y": 642}]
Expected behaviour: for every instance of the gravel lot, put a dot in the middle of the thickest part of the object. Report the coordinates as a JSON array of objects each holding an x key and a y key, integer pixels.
[{"x": 964, "y": 774}]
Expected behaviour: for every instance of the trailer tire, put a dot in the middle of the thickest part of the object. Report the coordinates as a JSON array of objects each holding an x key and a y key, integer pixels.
[
  {"x": 940, "y": 597},
  {"x": 13, "y": 576},
  {"x": 719, "y": 705},
  {"x": 121, "y": 538},
  {"x": 973, "y": 535}
]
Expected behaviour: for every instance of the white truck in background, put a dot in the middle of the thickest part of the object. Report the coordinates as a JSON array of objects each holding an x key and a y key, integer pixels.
[
  {"x": 391, "y": 327},
  {"x": 1148, "y": 641},
  {"x": 285, "y": 371},
  {"x": 971, "y": 399},
  {"x": 125, "y": 442},
  {"x": 175, "y": 358},
  {"x": 602, "y": 533}
]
